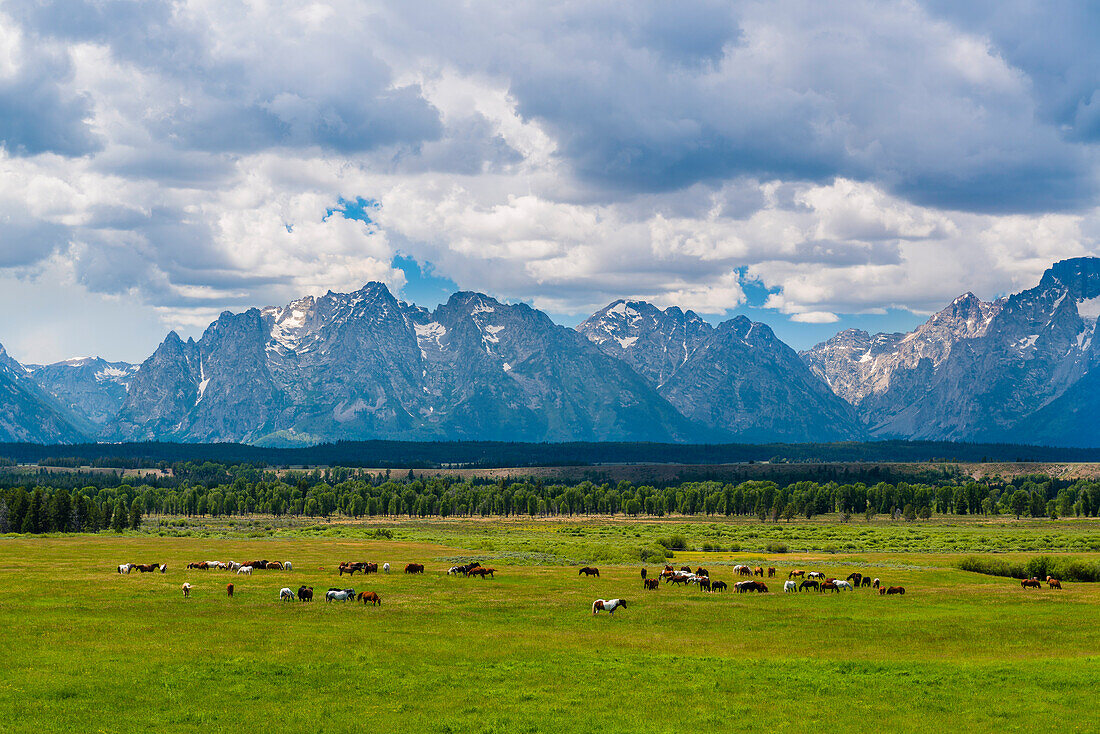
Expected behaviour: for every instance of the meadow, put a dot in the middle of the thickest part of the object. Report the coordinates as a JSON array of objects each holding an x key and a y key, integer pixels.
[{"x": 86, "y": 649}]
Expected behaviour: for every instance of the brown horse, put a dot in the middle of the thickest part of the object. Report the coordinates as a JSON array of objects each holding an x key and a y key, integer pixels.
[
  {"x": 1054, "y": 583},
  {"x": 414, "y": 568},
  {"x": 1031, "y": 584},
  {"x": 771, "y": 572},
  {"x": 482, "y": 572},
  {"x": 799, "y": 572},
  {"x": 895, "y": 590},
  {"x": 370, "y": 596},
  {"x": 758, "y": 571},
  {"x": 229, "y": 590},
  {"x": 151, "y": 567},
  {"x": 679, "y": 579},
  {"x": 650, "y": 584},
  {"x": 589, "y": 571},
  {"x": 275, "y": 566},
  {"x": 685, "y": 569},
  {"x": 855, "y": 578},
  {"x": 829, "y": 586},
  {"x": 702, "y": 572}
]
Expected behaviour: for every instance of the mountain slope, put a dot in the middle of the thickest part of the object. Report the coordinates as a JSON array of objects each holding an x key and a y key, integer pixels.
[
  {"x": 737, "y": 379},
  {"x": 90, "y": 386},
  {"x": 28, "y": 414}
]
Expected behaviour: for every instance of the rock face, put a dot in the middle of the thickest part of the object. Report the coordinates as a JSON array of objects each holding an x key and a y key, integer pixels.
[
  {"x": 27, "y": 413},
  {"x": 737, "y": 379},
  {"x": 91, "y": 387},
  {"x": 364, "y": 365},
  {"x": 1010, "y": 370}
]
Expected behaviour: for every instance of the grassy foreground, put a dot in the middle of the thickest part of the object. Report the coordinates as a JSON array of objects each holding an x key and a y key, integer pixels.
[{"x": 85, "y": 649}]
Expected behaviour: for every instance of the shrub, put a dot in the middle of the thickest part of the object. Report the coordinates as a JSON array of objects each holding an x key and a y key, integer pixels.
[
  {"x": 1066, "y": 569},
  {"x": 655, "y": 553},
  {"x": 774, "y": 546},
  {"x": 674, "y": 542}
]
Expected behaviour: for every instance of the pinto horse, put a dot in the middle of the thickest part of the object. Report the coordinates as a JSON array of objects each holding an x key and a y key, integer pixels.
[
  {"x": 151, "y": 567},
  {"x": 680, "y": 578},
  {"x": 876, "y": 584},
  {"x": 371, "y": 597},
  {"x": 125, "y": 567},
  {"x": 650, "y": 584},
  {"x": 285, "y": 594},
  {"x": 608, "y": 605},
  {"x": 789, "y": 586},
  {"x": 589, "y": 571},
  {"x": 186, "y": 589}
]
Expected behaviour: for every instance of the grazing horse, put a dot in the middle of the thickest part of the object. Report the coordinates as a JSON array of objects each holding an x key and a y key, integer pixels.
[
  {"x": 685, "y": 569},
  {"x": 895, "y": 590},
  {"x": 414, "y": 568},
  {"x": 151, "y": 567},
  {"x": 855, "y": 578},
  {"x": 771, "y": 572},
  {"x": 386, "y": 567},
  {"x": 650, "y": 584},
  {"x": 718, "y": 586},
  {"x": 742, "y": 570},
  {"x": 609, "y": 605},
  {"x": 340, "y": 595},
  {"x": 186, "y": 589},
  {"x": 680, "y": 578},
  {"x": 233, "y": 565},
  {"x": 1031, "y": 584},
  {"x": 876, "y": 584},
  {"x": 829, "y": 586},
  {"x": 229, "y": 590},
  {"x": 808, "y": 584},
  {"x": 482, "y": 572},
  {"x": 702, "y": 572},
  {"x": 816, "y": 575},
  {"x": 758, "y": 571},
  {"x": 287, "y": 566},
  {"x": 704, "y": 583},
  {"x": 285, "y": 594},
  {"x": 274, "y": 566},
  {"x": 370, "y": 596},
  {"x": 589, "y": 571},
  {"x": 866, "y": 581},
  {"x": 798, "y": 572},
  {"x": 643, "y": 574},
  {"x": 305, "y": 593},
  {"x": 246, "y": 570},
  {"x": 125, "y": 567},
  {"x": 842, "y": 585},
  {"x": 789, "y": 586},
  {"x": 1054, "y": 583}
]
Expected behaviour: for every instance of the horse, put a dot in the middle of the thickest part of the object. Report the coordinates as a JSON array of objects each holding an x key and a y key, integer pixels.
[
  {"x": 246, "y": 570},
  {"x": 233, "y": 565},
  {"x": 704, "y": 583},
  {"x": 350, "y": 567},
  {"x": 718, "y": 586},
  {"x": 482, "y": 572},
  {"x": 876, "y": 584},
  {"x": 829, "y": 586},
  {"x": 370, "y": 596},
  {"x": 150, "y": 567},
  {"x": 685, "y": 569},
  {"x": 186, "y": 589},
  {"x": 866, "y": 581},
  {"x": 789, "y": 586},
  {"x": 229, "y": 590},
  {"x": 680, "y": 578},
  {"x": 274, "y": 566},
  {"x": 855, "y": 578},
  {"x": 125, "y": 568},
  {"x": 643, "y": 574},
  {"x": 650, "y": 584},
  {"x": 305, "y": 593},
  {"x": 340, "y": 595},
  {"x": 414, "y": 568},
  {"x": 795, "y": 573},
  {"x": 758, "y": 571},
  {"x": 287, "y": 566},
  {"x": 895, "y": 590},
  {"x": 589, "y": 571},
  {"x": 808, "y": 584},
  {"x": 771, "y": 572},
  {"x": 193, "y": 565},
  {"x": 1031, "y": 584},
  {"x": 386, "y": 567},
  {"x": 741, "y": 570},
  {"x": 1054, "y": 583},
  {"x": 816, "y": 575},
  {"x": 609, "y": 605},
  {"x": 702, "y": 572},
  {"x": 285, "y": 594},
  {"x": 842, "y": 585}
]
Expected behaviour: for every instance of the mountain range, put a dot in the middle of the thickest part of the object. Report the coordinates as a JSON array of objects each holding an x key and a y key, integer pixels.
[{"x": 365, "y": 365}]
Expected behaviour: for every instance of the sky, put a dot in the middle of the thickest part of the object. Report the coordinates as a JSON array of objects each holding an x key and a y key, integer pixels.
[{"x": 816, "y": 166}]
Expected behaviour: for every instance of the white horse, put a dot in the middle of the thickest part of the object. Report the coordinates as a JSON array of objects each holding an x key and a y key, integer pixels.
[
  {"x": 186, "y": 589},
  {"x": 125, "y": 567},
  {"x": 286, "y": 594},
  {"x": 841, "y": 585},
  {"x": 340, "y": 595},
  {"x": 790, "y": 586},
  {"x": 246, "y": 570},
  {"x": 815, "y": 575},
  {"x": 234, "y": 566},
  {"x": 386, "y": 567},
  {"x": 287, "y": 566},
  {"x": 609, "y": 604}
]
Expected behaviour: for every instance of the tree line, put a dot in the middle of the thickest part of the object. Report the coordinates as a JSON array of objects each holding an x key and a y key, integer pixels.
[{"x": 217, "y": 490}]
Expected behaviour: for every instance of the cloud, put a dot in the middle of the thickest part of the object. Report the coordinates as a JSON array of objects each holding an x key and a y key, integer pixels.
[{"x": 845, "y": 160}]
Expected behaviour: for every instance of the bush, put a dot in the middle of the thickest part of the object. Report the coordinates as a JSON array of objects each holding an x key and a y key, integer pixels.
[
  {"x": 1066, "y": 569},
  {"x": 775, "y": 546},
  {"x": 674, "y": 542},
  {"x": 655, "y": 553}
]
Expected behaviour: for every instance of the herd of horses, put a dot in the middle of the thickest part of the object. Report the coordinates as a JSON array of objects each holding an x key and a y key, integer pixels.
[{"x": 1034, "y": 583}]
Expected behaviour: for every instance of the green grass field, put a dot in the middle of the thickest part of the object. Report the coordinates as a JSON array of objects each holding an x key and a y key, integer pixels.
[{"x": 85, "y": 649}]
